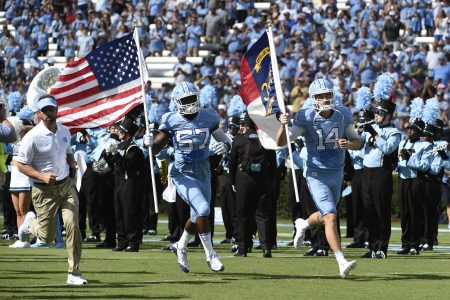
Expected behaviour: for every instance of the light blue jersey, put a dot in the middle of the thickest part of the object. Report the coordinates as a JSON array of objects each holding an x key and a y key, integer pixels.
[
  {"x": 190, "y": 172},
  {"x": 321, "y": 137},
  {"x": 419, "y": 160},
  {"x": 380, "y": 153},
  {"x": 437, "y": 163}
]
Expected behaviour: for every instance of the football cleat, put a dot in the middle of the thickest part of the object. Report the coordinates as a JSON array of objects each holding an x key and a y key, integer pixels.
[
  {"x": 346, "y": 267},
  {"x": 182, "y": 257},
  {"x": 300, "y": 228},
  {"x": 214, "y": 263}
]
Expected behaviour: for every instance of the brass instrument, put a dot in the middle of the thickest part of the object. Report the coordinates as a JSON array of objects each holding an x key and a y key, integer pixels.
[
  {"x": 437, "y": 149},
  {"x": 41, "y": 85}
]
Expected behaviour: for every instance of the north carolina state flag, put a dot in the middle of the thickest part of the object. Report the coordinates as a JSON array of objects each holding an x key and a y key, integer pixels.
[{"x": 258, "y": 91}]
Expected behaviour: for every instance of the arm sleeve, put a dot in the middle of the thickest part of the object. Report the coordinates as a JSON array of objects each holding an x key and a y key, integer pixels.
[
  {"x": 390, "y": 145},
  {"x": 220, "y": 136},
  {"x": 26, "y": 153},
  {"x": 421, "y": 161}
]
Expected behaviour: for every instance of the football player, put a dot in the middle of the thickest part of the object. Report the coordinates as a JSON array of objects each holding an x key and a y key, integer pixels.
[
  {"x": 190, "y": 128},
  {"x": 328, "y": 131}
]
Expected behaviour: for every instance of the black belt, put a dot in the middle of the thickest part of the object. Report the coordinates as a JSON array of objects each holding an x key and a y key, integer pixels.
[{"x": 55, "y": 183}]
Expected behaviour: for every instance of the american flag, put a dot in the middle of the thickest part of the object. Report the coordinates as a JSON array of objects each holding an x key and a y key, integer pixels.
[{"x": 99, "y": 89}]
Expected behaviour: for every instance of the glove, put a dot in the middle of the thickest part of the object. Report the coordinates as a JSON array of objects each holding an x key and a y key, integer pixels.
[
  {"x": 148, "y": 140},
  {"x": 220, "y": 148},
  {"x": 368, "y": 128},
  {"x": 443, "y": 154},
  {"x": 405, "y": 154}
]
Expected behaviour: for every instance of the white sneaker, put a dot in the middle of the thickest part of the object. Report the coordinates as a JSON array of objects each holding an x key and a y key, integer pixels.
[
  {"x": 214, "y": 263},
  {"x": 40, "y": 244},
  {"x": 20, "y": 244},
  {"x": 346, "y": 267},
  {"x": 24, "y": 231},
  {"x": 300, "y": 228},
  {"x": 182, "y": 257},
  {"x": 75, "y": 280}
]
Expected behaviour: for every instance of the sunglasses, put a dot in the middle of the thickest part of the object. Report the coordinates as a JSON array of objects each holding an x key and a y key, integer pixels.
[{"x": 380, "y": 112}]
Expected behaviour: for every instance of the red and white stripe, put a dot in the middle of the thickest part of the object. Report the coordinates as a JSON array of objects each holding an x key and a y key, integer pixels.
[{"x": 83, "y": 105}]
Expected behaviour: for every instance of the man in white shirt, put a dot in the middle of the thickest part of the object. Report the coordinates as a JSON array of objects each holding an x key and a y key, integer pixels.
[{"x": 45, "y": 155}]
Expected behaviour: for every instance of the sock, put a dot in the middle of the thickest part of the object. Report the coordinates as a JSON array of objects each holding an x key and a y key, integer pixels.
[
  {"x": 185, "y": 238},
  {"x": 205, "y": 238},
  {"x": 339, "y": 257}
]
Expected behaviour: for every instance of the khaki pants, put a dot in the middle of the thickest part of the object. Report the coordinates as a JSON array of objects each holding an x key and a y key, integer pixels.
[{"x": 47, "y": 200}]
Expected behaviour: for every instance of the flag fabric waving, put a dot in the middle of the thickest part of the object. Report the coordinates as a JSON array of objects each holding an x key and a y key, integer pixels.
[
  {"x": 99, "y": 89},
  {"x": 258, "y": 91}
]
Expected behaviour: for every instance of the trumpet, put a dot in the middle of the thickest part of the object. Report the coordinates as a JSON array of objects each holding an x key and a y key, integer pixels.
[{"x": 437, "y": 149}]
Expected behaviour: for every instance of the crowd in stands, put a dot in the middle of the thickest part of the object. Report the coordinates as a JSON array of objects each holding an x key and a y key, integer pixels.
[{"x": 313, "y": 39}]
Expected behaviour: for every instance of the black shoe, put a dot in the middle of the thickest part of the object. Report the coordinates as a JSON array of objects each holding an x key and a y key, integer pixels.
[
  {"x": 267, "y": 253},
  {"x": 93, "y": 239},
  {"x": 355, "y": 245},
  {"x": 240, "y": 252},
  {"x": 234, "y": 248},
  {"x": 120, "y": 248},
  {"x": 131, "y": 249},
  {"x": 258, "y": 247},
  {"x": 369, "y": 254},
  {"x": 311, "y": 252},
  {"x": 381, "y": 254},
  {"x": 321, "y": 252},
  {"x": 106, "y": 245},
  {"x": 225, "y": 241},
  {"x": 414, "y": 251},
  {"x": 403, "y": 251},
  {"x": 427, "y": 247},
  {"x": 194, "y": 244}
]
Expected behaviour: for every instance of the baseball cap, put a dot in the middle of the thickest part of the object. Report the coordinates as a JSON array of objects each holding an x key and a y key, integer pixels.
[
  {"x": 51, "y": 61},
  {"x": 46, "y": 101}
]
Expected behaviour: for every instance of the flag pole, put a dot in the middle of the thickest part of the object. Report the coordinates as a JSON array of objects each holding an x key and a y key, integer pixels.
[
  {"x": 279, "y": 93},
  {"x": 144, "y": 102}
]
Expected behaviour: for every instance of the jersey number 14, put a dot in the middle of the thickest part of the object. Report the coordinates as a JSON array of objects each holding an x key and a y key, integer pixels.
[{"x": 330, "y": 139}]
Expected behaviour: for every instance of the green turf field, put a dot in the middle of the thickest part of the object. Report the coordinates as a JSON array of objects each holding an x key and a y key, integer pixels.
[{"x": 154, "y": 274}]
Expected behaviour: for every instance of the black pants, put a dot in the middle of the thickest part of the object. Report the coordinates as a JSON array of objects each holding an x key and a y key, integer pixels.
[
  {"x": 228, "y": 207},
  {"x": 90, "y": 196},
  {"x": 128, "y": 201},
  {"x": 430, "y": 208},
  {"x": 150, "y": 216},
  {"x": 360, "y": 232},
  {"x": 296, "y": 207},
  {"x": 377, "y": 195},
  {"x": 410, "y": 192},
  {"x": 9, "y": 212},
  {"x": 106, "y": 185},
  {"x": 252, "y": 203}
]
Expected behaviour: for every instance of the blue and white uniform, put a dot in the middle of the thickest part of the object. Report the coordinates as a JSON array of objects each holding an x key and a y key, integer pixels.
[
  {"x": 190, "y": 172},
  {"x": 325, "y": 164}
]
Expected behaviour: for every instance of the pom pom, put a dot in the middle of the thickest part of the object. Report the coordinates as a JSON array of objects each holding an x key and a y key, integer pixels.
[
  {"x": 207, "y": 96},
  {"x": 363, "y": 98},
  {"x": 416, "y": 109},
  {"x": 153, "y": 113},
  {"x": 15, "y": 101},
  {"x": 383, "y": 87},
  {"x": 236, "y": 107},
  {"x": 338, "y": 98},
  {"x": 26, "y": 113},
  {"x": 431, "y": 111},
  {"x": 17, "y": 124}
]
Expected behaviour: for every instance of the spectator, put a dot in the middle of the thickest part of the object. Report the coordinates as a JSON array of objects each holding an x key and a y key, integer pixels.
[
  {"x": 193, "y": 34},
  {"x": 85, "y": 43},
  {"x": 70, "y": 45},
  {"x": 442, "y": 70},
  {"x": 212, "y": 27},
  {"x": 391, "y": 30},
  {"x": 183, "y": 70}
]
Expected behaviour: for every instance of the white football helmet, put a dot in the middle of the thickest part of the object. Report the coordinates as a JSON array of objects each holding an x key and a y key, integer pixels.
[
  {"x": 321, "y": 86},
  {"x": 185, "y": 96}
]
